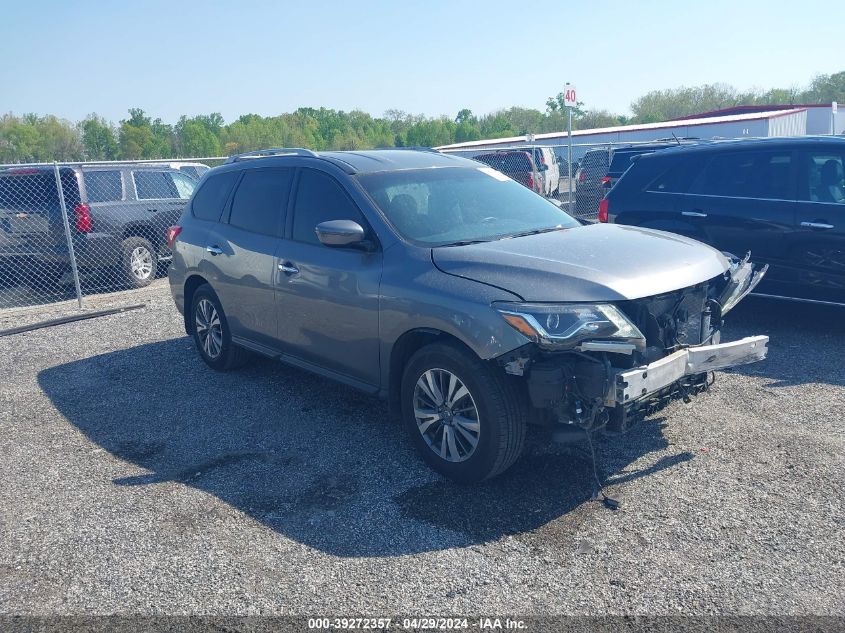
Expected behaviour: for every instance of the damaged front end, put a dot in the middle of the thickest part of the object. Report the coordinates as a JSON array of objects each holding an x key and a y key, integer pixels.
[{"x": 598, "y": 365}]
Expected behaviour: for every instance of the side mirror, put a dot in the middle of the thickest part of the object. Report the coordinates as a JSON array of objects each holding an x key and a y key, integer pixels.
[
  {"x": 341, "y": 233},
  {"x": 543, "y": 167}
]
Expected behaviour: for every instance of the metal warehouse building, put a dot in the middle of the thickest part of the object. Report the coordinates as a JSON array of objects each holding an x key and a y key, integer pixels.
[{"x": 750, "y": 121}]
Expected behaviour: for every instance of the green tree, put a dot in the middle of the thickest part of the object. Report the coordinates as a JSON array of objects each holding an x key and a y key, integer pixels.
[
  {"x": 825, "y": 88},
  {"x": 141, "y": 137},
  {"x": 98, "y": 139}
]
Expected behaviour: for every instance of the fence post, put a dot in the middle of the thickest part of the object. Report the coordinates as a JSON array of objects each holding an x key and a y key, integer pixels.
[
  {"x": 569, "y": 160},
  {"x": 71, "y": 253}
]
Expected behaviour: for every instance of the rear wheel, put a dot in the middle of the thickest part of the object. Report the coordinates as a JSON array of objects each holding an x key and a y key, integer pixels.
[
  {"x": 139, "y": 262},
  {"x": 466, "y": 419},
  {"x": 211, "y": 332}
]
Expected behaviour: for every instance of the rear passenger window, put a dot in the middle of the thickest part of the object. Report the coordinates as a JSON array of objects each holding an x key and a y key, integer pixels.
[
  {"x": 103, "y": 186},
  {"x": 320, "y": 198},
  {"x": 209, "y": 201},
  {"x": 260, "y": 200},
  {"x": 747, "y": 175},
  {"x": 154, "y": 185}
]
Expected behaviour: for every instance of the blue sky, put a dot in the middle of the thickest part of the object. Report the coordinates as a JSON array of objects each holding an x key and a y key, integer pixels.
[{"x": 433, "y": 57}]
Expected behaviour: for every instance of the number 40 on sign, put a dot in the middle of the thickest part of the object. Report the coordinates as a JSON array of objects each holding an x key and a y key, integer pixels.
[{"x": 570, "y": 99}]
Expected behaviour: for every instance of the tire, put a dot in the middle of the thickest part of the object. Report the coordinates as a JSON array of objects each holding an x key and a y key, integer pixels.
[
  {"x": 499, "y": 414},
  {"x": 139, "y": 262},
  {"x": 220, "y": 353}
]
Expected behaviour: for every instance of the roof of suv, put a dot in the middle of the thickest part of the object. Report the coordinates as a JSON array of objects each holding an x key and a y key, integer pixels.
[
  {"x": 362, "y": 162},
  {"x": 760, "y": 143}
]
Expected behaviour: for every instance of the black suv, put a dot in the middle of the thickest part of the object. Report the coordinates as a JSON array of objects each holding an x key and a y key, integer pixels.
[
  {"x": 600, "y": 169},
  {"x": 781, "y": 198},
  {"x": 117, "y": 215}
]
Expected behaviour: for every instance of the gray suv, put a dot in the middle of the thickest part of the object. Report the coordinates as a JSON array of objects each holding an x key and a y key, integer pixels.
[{"x": 473, "y": 305}]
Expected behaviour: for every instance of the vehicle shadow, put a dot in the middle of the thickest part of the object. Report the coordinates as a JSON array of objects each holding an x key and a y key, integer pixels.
[
  {"x": 317, "y": 462},
  {"x": 805, "y": 340}
]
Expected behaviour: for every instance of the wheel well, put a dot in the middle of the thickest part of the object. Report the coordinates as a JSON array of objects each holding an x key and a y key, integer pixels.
[
  {"x": 405, "y": 347},
  {"x": 193, "y": 282},
  {"x": 143, "y": 230}
]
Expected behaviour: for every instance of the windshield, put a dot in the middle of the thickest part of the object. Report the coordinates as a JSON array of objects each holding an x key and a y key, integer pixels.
[{"x": 436, "y": 207}]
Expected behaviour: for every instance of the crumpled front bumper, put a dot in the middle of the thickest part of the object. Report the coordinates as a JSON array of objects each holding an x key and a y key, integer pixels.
[{"x": 631, "y": 385}]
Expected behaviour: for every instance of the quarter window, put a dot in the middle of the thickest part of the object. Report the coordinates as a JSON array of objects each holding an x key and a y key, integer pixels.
[
  {"x": 260, "y": 200},
  {"x": 677, "y": 178},
  {"x": 320, "y": 198},
  {"x": 747, "y": 175}
]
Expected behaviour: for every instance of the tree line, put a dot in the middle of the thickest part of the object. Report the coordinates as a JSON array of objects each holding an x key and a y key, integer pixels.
[{"x": 35, "y": 138}]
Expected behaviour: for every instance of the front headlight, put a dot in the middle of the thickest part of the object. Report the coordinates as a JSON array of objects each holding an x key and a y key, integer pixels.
[{"x": 563, "y": 326}]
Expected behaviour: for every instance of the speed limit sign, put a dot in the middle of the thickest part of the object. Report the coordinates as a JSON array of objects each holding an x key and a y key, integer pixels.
[{"x": 570, "y": 98}]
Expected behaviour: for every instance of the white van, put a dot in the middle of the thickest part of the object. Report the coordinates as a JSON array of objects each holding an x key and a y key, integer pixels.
[{"x": 549, "y": 166}]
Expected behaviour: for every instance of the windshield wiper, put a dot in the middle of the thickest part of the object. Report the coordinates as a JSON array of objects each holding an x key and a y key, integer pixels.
[
  {"x": 535, "y": 232},
  {"x": 465, "y": 242}
]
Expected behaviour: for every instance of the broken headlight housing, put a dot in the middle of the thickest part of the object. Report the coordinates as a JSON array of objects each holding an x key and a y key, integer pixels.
[{"x": 564, "y": 326}]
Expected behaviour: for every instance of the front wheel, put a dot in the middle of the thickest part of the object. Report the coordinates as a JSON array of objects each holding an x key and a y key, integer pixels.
[{"x": 464, "y": 416}]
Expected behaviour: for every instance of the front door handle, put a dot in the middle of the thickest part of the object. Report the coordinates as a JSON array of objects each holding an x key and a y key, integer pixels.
[
  {"x": 288, "y": 268},
  {"x": 694, "y": 214},
  {"x": 152, "y": 210},
  {"x": 824, "y": 226},
  {"x": 214, "y": 250}
]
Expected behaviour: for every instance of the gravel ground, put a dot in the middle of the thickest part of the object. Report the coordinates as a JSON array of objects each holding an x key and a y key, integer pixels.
[{"x": 135, "y": 480}]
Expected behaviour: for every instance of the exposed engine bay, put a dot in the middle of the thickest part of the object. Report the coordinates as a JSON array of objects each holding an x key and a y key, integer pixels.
[{"x": 669, "y": 350}]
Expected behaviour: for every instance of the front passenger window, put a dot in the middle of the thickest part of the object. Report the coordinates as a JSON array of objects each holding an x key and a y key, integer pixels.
[
  {"x": 320, "y": 198},
  {"x": 825, "y": 179}
]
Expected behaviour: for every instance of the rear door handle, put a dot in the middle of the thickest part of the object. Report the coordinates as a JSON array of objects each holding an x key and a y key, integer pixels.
[
  {"x": 288, "y": 268},
  {"x": 817, "y": 225},
  {"x": 214, "y": 250},
  {"x": 694, "y": 214},
  {"x": 152, "y": 210}
]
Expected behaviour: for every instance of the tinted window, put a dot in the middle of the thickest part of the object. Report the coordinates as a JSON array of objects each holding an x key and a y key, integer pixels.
[
  {"x": 103, "y": 186},
  {"x": 823, "y": 178},
  {"x": 758, "y": 174},
  {"x": 319, "y": 198},
  {"x": 30, "y": 191},
  {"x": 260, "y": 201},
  {"x": 209, "y": 201},
  {"x": 678, "y": 176},
  {"x": 594, "y": 159},
  {"x": 448, "y": 205},
  {"x": 153, "y": 185}
]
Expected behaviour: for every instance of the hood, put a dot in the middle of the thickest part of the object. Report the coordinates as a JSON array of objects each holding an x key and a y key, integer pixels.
[{"x": 599, "y": 262}]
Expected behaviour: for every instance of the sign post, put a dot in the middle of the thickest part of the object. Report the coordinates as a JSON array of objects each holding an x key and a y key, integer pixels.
[
  {"x": 833, "y": 108},
  {"x": 570, "y": 100}
]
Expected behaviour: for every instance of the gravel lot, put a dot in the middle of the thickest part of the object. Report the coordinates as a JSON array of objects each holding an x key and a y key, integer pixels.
[{"x": 135, "y": 480}]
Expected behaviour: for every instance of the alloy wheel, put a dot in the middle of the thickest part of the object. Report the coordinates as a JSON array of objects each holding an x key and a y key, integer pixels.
[
  {"x": 446, "y": 415},
  {"x": 141, "y": 263},
  {"x": 208, "y": 328}
]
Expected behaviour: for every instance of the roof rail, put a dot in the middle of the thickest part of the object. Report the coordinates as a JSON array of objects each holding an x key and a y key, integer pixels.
[{"x": 275, "y": 151}]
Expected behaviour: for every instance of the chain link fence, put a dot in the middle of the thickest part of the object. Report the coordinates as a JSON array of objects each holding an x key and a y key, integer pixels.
[{"x": 72, "y": 230}]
